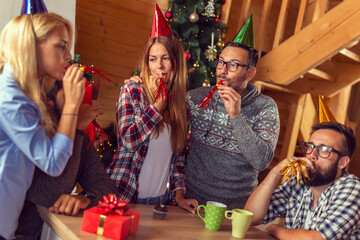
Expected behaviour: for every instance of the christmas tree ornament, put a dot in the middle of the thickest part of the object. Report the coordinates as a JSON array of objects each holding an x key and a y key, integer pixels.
[
  {"x": 196, "y": 64},
  {"x": 217, "y": 19},
  {"x": 206, "y": 83},
  {"x": 325, "y": 115},
  {"x": 169, "y": 15},
  {"x": 205, "y": 103},
  {"x": 220, "y": 44},
  {"x": 160, "y": 27},
  {"x": 210, "y": 53},
  {"x": 33, "y": 6},
  {"x": 194, "y": 17},
  {"x": 187, "y": 55},
  {"x": 246, "y": 34},
  {"x": 210, "y": 9}
]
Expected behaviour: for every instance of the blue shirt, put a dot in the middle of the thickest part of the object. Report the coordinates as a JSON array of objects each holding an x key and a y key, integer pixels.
[
  {"x": 336, "y": 215},
  {"x": 23, "y": 145}
]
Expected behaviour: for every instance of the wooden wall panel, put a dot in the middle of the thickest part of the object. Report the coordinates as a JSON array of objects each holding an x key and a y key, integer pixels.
[{"x": 111, "y": 35}]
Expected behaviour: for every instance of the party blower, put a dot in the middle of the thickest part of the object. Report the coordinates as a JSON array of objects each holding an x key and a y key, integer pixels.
[
  {"x": 94, "y": 130},
  {"x": 205, "y": 103},
  {"x": 163, "y": 91}
]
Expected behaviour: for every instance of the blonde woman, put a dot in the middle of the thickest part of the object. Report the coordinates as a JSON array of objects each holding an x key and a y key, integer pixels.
[
  {"x": 152, "y": 132},
  {"x": 32, "y": 48}
]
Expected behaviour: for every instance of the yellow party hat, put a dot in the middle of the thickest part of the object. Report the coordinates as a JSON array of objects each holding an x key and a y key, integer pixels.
[{"x": 325, "y": 115}]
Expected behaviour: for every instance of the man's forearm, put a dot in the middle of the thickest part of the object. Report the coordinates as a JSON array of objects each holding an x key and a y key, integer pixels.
[
  {"x": 259, "y": 201},
  {"x": 281, "y": 232}
]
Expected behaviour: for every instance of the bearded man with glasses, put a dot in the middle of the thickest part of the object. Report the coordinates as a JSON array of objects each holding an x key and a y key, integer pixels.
[
  {"x": 325, "y": 207},
  {"x": 235, "y": 137}
]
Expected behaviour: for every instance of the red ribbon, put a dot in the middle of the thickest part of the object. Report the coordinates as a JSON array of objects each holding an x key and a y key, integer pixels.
[
  {"x": 163, "y": 91},
  {"x": 99, "y": 132},
  {"x": 113, "y": 205},
  {"x": 93, "y": 70},
  {"x": 205, "y": 103}
]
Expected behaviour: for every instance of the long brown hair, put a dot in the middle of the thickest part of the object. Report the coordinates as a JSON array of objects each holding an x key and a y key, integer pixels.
[
  {"x": 174, "y": 113},
  {"x": 18, "y": 48}
]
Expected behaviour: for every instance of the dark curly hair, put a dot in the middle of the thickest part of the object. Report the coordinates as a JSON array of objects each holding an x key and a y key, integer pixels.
[{"x": 347, "y": 132}]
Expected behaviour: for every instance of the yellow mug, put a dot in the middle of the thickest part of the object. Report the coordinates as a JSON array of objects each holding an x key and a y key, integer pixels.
[{"x": 241, "y": 220}]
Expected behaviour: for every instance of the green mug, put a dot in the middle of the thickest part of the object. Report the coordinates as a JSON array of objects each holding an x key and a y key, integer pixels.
[
  {"x": 241, "y": 220},
  {"x": 214, "y": 215}
]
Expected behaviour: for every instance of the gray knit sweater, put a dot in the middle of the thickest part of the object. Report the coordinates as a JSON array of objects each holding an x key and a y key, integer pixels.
[
  {"x": 226, "y": 154},
  {"x": 84, "y": 166}
]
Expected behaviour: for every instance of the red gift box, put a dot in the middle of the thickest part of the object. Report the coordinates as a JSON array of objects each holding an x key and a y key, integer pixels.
[{"x": 112, "y": 226}]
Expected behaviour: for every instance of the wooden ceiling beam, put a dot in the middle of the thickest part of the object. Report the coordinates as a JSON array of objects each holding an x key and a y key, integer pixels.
[
  {"x": 346, "y": 74},
  {"x": 321, "y": 75},
  {"x": 351, "y": 55},
  {"x": 312, "y": 46}
]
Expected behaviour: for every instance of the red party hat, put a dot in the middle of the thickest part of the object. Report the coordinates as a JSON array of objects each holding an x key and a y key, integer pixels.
[{"x": 160, "y": 26}]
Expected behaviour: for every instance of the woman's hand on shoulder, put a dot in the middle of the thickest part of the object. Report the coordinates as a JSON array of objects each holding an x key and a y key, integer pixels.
[
  {"x": 74, "y": 87},
  {"x": 136, "y": 79}
]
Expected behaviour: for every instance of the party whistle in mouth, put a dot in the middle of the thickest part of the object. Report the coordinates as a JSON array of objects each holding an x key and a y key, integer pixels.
[
  {"x": 205, "y": 103},
  {"x": 89, "y": 70},
  {"x": 163, "y": 91},
  {"x": 296, "y": 168}
]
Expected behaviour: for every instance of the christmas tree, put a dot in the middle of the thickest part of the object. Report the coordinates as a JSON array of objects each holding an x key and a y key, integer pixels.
[{"x": 197, "y": 24}]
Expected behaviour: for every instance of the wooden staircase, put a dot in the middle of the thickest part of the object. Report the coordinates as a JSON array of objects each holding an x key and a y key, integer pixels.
[{"x": 322, "y": 56}]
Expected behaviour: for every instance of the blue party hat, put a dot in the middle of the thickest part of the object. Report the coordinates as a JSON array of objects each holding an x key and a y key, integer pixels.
[{"x": 33, "y": 6}]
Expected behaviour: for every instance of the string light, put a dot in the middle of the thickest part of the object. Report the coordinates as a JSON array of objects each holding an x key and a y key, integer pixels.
[{"x": 102, "y": 148}]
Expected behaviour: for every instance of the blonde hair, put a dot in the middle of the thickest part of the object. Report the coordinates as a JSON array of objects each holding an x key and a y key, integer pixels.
[
  {"x": 18, "y": 48},
  {"x": 174, "y": 113}
]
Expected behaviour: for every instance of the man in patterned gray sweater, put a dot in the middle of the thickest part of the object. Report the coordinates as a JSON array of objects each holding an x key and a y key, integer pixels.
[{"x": 235, "y": 137}]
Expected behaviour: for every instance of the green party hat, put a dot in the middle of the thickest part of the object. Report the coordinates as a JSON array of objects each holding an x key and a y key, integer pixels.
[{"x": 246, "y": 33}]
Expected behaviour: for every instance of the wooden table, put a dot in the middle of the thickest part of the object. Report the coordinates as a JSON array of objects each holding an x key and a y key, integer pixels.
[{"x": 179, "y": 224}]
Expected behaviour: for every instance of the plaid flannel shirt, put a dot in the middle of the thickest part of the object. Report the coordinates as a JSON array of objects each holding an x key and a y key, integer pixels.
[
  {"x": 336, "y": 215},
  {"x": 136, "y": 121}
]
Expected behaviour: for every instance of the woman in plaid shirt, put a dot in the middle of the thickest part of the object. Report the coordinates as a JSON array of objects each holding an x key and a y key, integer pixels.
[{"x": 152, "y": 131}]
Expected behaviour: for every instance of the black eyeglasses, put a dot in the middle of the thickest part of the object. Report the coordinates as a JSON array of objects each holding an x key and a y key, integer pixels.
[
  {"x": 230, "y": 66},
  {"x": 321, "y": 150}
]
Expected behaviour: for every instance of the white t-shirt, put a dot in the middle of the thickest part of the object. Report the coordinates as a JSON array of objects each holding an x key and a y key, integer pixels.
[
  {"x": 155, "y": 170},
  {"x": 308, "y": 219}
]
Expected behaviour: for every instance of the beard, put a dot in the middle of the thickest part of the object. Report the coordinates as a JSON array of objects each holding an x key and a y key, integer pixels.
[
  {"x": 320, "y": 177},
  {"x": 226, "y": 81}
]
